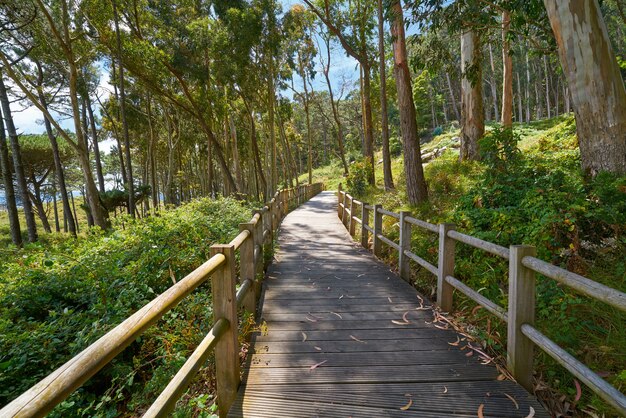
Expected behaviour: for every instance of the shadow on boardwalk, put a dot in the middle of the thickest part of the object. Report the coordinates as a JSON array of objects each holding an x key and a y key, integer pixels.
[{"x": 346, "y": 337}]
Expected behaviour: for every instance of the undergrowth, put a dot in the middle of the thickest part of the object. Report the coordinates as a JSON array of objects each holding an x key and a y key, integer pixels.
[{"x": 57, "y": 299}]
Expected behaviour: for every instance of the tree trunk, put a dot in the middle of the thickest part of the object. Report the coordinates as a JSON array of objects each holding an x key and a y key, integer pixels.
[
  {"x": 235, "y": 147},
  {"x": 130, "y": 185},
  {"x": 413, "y": 170},
  {"x": 597, "y": 88},
  {"x": 22, "y": 186},
  {"x": 520, "y": 116},
  {"x": 494, "y": 87},
  {"x": 507, "y": 73},
  {"x": 57, "y": 225},
  {"x": 152, "y": 156},
  {"x": 547, "y": 79},
  {"x": 472, "y": 116},
  {"x": 9, "y": 191},
  {"x": 271, "y": 97},
  {"x": 454, "y": 103},
  {"x": 528, "y": 116},
  {"x": 118, "y": 142},
  {"x": 384, "y": 122},
  {"x": 368, "y": 122},
  {"x": 335, "y": 108},
  {"x": 59, "y": 170},
  {"x": 96, "y": 146},
  {"x": 38, "y": 202}
]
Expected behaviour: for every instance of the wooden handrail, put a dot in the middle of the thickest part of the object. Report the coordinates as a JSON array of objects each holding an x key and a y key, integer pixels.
[
  {"x": 523, "y": 265},
  {"x": 56, "y": 387}
]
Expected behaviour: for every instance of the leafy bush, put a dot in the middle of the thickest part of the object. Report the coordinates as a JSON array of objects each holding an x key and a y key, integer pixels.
[
  {"x": 360, "y": 172},
  {"x": 395, "y": 146},
  {"x": 57, "y": 300},
  {"x": 437, "y": 131}
]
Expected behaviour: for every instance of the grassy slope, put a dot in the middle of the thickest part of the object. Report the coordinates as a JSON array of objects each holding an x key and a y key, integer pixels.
[{"x": 588, "y": 329}]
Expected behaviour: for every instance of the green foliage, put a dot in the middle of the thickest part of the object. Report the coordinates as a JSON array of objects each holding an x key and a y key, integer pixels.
[
  {"x": 395, "y": 146},
  {"x": 498, "y": 149},
  {"x": 357, "y": 182},
  {"x": 55, "y": 301}
]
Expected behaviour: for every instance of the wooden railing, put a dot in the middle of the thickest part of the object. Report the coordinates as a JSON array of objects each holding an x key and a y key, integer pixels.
[
  {"x": 221, "y": 268},
  {"x": 522, "y": 335}
]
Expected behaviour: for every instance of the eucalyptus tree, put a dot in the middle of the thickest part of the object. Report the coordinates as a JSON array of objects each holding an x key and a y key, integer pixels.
[
  {"x": 353, "y": 24},
  {"x": 9, "y": 190},
  {"x": 384, "y": 119},
  {"x": 597, "y": 87}
]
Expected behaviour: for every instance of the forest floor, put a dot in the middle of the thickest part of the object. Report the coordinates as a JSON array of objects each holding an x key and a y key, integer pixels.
[{"x": 534, "y": 195}]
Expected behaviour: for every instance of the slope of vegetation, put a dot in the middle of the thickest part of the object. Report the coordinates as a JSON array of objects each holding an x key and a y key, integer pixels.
[
  {"x": 539, "y": 197},
  {"x": 57, "y": 298}
]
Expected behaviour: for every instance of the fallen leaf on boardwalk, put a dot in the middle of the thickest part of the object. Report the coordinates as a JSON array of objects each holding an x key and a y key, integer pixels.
[
  {"x": 445, "y": 389},
  {"x": 469, "y": 354},
  {"x": 303, "y": 337},
  {"x": 531, "y": 414},
  {"x": 441, "y": 327},
  {"x": 341, "y": 297},
  {"x": 310, "y": 319},
  {"x": 407, "y": 406},
  {"x": 335, "y": 313},
  {"x": 404, "y": 316},
  {"x": 308, "y": 268},
  {"x": 315, "y": 366},
  {"x": 480, "y": 411},
  {"x": 356, "y": 339},
  {"x": 316, "y": 317},
  {"x": 408, "y": 395},
  {"x": 512, "y": 400},
  {"x": 420, "y": 299},
  {"x": 579, "y": 391},
  {"x": 389, "y": 299},
  {"x": 501, "y": 377},
  {"x": 458, "y": 340},
  {"x": 362, "y": 274},
  {"x": 317, "y": 348},
  {"x": 399, "y": 322}
]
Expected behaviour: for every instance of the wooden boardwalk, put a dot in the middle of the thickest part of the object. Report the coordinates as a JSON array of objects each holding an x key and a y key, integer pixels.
[{"x": 346, "y": 337}]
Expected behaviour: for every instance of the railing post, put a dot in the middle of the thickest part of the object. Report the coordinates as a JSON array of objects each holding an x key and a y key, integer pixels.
[
  {"x": 365, "y": 221},
  {"x": 352, "y": 217},
  {"x": 446, "y": 267},
  {"x": 405, "y": 245},
  {"x": 521, "y": 311},
  {"x": 258, "y": 242},
  {"x": 378, "y": 230},
  {"x": 226, "y": 349},
  {"x": 247, "y": 266},
  {"x": 344, "y": 212},
  {"x": 339, "y": 214}
]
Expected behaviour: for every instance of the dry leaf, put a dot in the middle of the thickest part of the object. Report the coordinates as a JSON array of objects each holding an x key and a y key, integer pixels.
[
  {"x": 476, "y": 309},
  {"x": 341, "y": 297},
  {"x": 303, "y": 337},
  {"x": 407, "y": 406},
  {"x": 512, "y": 400},
  {"x": 315, "y": 366},
  {"x": 389, "y": 299},
  {"x": 310, "y": 319},
  {"x": 356, "y": 339},
  {"x": 317, "y": 348},
  {"x": 480, "y": 411},
  {"x": 404, "y": 316},
  {"x": 445, "y": 389},
  {"x": 335, "y": 313},
  {"x": 362, "y": 274},
  {"x": 501, "y": 377},
  {"x": 441, "y": 327},
  {"x": 458, "y": 340},
  {"x": 531, "y": 413},
  {"x": 469, "y": 354},
  {"x": 399, "y": 322},
  {"x": 579, "y": 391}
]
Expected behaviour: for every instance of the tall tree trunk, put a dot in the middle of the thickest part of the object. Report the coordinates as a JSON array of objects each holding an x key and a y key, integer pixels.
[
  {"x": 368, "y": 121},
  {"x": 454, "y": 103},
  {"x": 118, "y": 142},
  {"x": 528, "y": 116},
  {"x": 57, "y": 225},
  {"x": 308, "y": 120},
  {"x": 413, "y": 170},
  {"x": 38, "y": 202},
  {"x": 9, "y": 191},
  {"x": 384, "y": 122},
  {"x": 130, "y": 186},
  {"x": 520, "y": 116},
  {"x": 59, "y": 170},
  {"x": 472, "y": 116},
  {"x": 152, "y": 156},
  {"x": 271, "y": 97},
  {"x": 256, "y": 152},
  {"x": 74, "y": 211},
  {"x": 22, "y": 186},
  {"x": 494, "y": 87},
  {"x": 547, "y": 79},
  {"x": 507, "y": 73},
  {"x": 235, "y": 147},
  {"x": 96, "y": 146},
  {"x": 597, "y": 88}
]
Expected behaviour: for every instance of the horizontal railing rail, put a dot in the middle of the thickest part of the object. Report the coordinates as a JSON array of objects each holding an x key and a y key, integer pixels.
[
  {"x": 522, "y": 335},
  {"x": 222, "y": 338}
]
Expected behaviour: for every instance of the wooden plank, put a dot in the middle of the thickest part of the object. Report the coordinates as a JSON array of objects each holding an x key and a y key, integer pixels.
[
  {"x": 414, "y": 344},
  {"x": 347, "y": 335},
  {"x": 380, "y": 319}
]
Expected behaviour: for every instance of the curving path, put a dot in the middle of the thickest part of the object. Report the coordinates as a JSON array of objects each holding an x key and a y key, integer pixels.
[{"x": 337, "y": 343}]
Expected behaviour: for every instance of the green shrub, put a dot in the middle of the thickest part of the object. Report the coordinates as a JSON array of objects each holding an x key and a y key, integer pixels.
[
  {"x": 357, "y": 181},
  {"x": 56, "y": 301}
]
